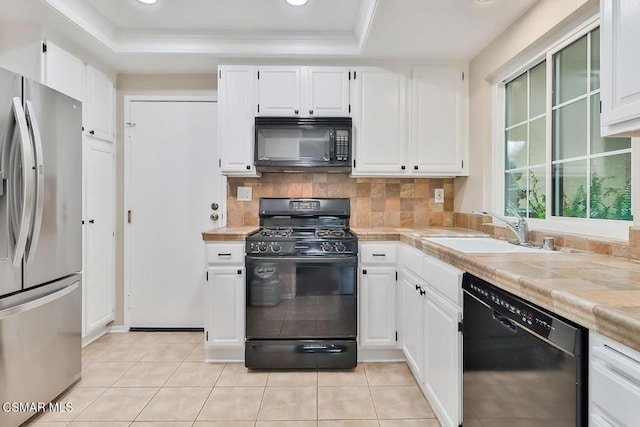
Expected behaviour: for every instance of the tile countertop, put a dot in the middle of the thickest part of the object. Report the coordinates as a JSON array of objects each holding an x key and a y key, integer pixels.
[
  {"x": 228, "y": 234},
  {"x": 600, "y": 292}
]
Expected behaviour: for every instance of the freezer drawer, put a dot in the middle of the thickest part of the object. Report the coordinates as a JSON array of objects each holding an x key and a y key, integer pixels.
[{"x": 40, "y": 345}]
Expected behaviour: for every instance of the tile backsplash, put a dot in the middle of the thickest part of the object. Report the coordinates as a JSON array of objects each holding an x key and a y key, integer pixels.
[{"x": 375, "y": 202}]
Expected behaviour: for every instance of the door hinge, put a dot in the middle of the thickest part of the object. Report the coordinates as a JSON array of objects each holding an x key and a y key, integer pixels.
[
  {"x": 206, "y": 336},
  {"x": 463, "y": 75},
  {"x": 354, "y": 75},
  {"x": 396, "y": 276},
  {"x": 396, "y": 336},
  {"x": 462, "y": 163},
  {"x": 364, "y": 271},
  {"x": 207, "y": 273},
  {"x": 349, "y": 107},
  {"x": 600, "y": 107},
  {"x": 258, "y": 75},
  {"x": 129, "y": 216},
  {"x": 258, "y": 108},
  {"x": 44, "y": 47},
  {"x": 220, "y": 74},
  {"x": 460, "y": 327},
  {"x": 354, "y": 163},
  {"x": 349, "y": 75},
  {"x": 219, "y": 163}
]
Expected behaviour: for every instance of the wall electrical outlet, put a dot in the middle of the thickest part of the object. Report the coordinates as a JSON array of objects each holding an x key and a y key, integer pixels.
[
  {"x": 439, "y": 195},
  {"x": 244, "y": 194}
]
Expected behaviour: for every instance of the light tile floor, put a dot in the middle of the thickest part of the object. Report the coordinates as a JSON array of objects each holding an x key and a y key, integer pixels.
[{"x": 160, "y": 379}]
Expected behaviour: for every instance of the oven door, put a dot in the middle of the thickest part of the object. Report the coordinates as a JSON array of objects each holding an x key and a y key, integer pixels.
[
  {"x": 301, "y": 312},
  {"x": 300, "y": 298}
]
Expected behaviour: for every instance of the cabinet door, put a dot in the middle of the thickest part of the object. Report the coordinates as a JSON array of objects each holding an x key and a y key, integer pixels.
[
  {"x": 443, "y": 366},
  {"x": 620, "y": 66},
  {"x": 236, "y": 105},
  {"x": 225, "y": 306},
  {"x": 380, "y": 121},
  {"x": 412, "y": 321},
  {"x": 438, "y": 120},
  {"x": 99, "y": 223},
  {"x": 327, "y": 92},
  {"x": 99, "y": 108},
  {"x": 279, "y": 91},
  {"x": 64, "y": 72},
  {"x": 378, "y": 307}
]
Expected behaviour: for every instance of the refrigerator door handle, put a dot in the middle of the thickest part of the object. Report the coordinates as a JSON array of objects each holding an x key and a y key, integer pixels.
[
  {"x": 27, "y": 183},
  {"x": 39, "y": 189},
  {"x": 30, "y": 305}
]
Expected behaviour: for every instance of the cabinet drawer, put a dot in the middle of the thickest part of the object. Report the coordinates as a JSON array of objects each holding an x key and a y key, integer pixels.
[
  {"x": 227, "y": 253},
  {"x": 377, "y": 253},
  {"x": 411, "y": 259},
  {"x": 444, "y": 279}
]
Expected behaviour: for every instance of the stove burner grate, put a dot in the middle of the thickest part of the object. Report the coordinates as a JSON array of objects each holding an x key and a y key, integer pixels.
[
  {"x": 275, "y": 232},
  {"x": 330, "y": 232}
]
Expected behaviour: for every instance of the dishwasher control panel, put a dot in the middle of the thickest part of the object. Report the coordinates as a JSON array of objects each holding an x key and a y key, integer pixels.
[{"x": 509, "y": 306}]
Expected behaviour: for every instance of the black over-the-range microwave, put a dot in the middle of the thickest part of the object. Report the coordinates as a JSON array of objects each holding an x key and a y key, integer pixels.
[{"x": 303, "y": 144}]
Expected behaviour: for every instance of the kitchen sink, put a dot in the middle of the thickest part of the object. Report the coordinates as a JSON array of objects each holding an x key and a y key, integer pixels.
[{"x": 480, "y": 245}]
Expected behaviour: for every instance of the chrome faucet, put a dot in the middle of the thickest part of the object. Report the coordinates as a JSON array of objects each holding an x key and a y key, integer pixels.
[{"x": 520, "y": 229}]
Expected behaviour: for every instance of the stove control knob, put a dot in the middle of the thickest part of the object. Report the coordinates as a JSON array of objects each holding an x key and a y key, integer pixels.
[
  {"x": 276, "y": 248},
  {"x": 340, "y": 247},
  {"x": 262, "y": 247},
  {"x": 326, "y": 247}
]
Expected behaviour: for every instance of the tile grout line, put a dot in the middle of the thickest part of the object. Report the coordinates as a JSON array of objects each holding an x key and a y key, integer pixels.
[{"x": 210, "y": 392}]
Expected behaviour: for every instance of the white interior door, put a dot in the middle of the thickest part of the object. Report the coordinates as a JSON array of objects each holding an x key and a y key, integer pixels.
[{"x": 173, "y": 180}]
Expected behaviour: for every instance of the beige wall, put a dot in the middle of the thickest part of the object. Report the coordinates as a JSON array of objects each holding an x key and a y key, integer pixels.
[
  {"x": 535, "y": 27},
  {"x": 145, "y": 85}
]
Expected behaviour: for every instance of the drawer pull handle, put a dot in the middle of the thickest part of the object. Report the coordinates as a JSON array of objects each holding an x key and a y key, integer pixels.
[
  {"x": 224, "y": 254},
  {"x": 379, "y": 254}
]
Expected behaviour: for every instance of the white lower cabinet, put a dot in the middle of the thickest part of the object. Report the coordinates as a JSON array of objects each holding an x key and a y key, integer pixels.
[
  {"x": 225, "y": 301},
  {"x": 614, "y": 383},
  {"x": 413, "y": 321},
  {"x": 377, "y": 296},
  {"x": 442, "y": 373}
]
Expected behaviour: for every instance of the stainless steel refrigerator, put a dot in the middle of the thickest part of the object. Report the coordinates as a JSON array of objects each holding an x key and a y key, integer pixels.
[{"x": 40, "y": 244}]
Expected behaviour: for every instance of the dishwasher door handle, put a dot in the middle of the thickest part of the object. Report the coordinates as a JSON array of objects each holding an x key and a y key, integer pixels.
[{"x": 505, "y": 322}]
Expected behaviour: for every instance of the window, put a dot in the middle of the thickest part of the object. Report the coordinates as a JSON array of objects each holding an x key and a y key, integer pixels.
[{"x": 567, "y": 170}]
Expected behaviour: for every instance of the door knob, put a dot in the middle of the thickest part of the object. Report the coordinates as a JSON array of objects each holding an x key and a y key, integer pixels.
[
  {"x": 214, "y": 216},
  {"x": 214, "y": 206}
]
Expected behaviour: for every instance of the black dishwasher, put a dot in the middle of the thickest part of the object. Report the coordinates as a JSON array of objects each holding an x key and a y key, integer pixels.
[{"x": 522, "y": 365}]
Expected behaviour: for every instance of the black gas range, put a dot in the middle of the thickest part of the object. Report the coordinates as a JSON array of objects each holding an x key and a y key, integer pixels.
[
  {"x": 301, "y": 286},
  {"x": 303, "y": 227}
]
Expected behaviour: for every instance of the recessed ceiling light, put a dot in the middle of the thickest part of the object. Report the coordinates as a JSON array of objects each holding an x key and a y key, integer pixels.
[
  {"x": 148, "y": 1},
  {"x": 297, "y": 2}
]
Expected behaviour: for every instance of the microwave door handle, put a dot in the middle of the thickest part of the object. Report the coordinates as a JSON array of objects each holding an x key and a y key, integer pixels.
[{"x": 332, "y": 145}]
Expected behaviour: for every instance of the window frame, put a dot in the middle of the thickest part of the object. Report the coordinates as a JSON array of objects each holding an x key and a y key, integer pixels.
[{"x": 618, "y": 229}]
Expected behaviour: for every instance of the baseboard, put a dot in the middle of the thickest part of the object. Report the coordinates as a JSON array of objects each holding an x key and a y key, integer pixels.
[
  {"x": 119, "y": 329},
  {"x": 88, "y": 339},
  {"x": 380, "y": 355}
]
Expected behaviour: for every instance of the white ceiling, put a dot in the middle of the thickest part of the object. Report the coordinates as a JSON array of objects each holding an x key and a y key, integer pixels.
[{"x": 181, "y": 36}]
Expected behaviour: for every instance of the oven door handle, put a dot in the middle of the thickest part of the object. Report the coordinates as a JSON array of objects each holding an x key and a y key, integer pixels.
[{"x": 302, "y": 260}]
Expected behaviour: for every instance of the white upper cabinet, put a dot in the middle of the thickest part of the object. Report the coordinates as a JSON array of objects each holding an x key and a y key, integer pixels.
[
  {"x": 279, "y": 91},
  {"x": 620, "y": 67},
  {"x": 438, "y": 120},
  {"x": 63, "y": 71},
  {"x": 327, "y": 92},
  {"x": 100, "y": 105},
  {"x": 410, "y": 124},
  {"x": 236, "y": 105},
  {"x": 380, "y": 121},
  {"x": 303, "y": 91}
]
